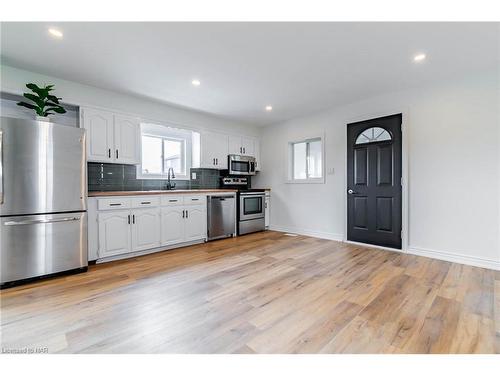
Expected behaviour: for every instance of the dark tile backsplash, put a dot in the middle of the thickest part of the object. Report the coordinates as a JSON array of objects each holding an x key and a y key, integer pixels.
[
  {"x": 120, "y": 177},
  {"x": 205, "y": 178}
]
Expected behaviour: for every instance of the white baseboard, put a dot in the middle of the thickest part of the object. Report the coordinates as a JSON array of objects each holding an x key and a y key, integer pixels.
[
  {"x": 145, "y": 252},
  {"x": 311, "y": 233},
  {"x": 428, "y": 253},
  {"x": 456, "y": 258}
]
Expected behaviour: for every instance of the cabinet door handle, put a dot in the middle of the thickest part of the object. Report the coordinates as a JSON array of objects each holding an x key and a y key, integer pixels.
[
  {"x": 129, "y": 219},
  {"x": 172, "y": 200},
  {"x": 109, "y": 153},
  {"x": 115, "y": 204},
  {"x": 241, "y": 150},
  {"x": 145, "y": 202},
  {"x": 244, "y": 150},
  {"x": 217, "y": 161},
  {"x": 187, "y": 214},
  {"x": 183, "y": 213},
  {"x": 195, "y": 199},
  {"x": 117, "y": 154},
  {"x": 133, "y": 219}
]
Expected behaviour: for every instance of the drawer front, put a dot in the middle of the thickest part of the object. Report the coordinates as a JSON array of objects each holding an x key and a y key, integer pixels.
[
  {"x": 113, "y": 203},
  {"x": 195, "y": 200},
  {"x": 172, "y": 200},
  {"x": 145, "y": 201}
]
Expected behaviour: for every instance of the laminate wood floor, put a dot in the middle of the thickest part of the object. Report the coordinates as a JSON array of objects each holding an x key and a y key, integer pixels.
[{"x": 260, "y": 293}]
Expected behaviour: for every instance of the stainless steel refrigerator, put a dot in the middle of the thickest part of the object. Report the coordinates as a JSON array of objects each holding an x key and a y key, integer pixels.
[{"x": 43, "y": 219}]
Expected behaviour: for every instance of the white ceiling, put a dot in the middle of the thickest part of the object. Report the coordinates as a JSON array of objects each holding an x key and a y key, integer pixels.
[{"x": 298, "y": 68}]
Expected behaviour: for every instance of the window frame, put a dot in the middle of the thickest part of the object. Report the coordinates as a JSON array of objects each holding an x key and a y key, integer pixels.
[
  {"x": 291, "y": 161},
  {"x": 172, "y": 134},
  {"x": 384, "y": 130}
]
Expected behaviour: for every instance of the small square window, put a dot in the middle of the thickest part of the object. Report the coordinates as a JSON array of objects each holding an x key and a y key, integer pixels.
[{"x": 306, "y": 161}]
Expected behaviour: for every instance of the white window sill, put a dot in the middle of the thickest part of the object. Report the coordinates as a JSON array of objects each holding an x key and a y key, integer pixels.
[{"x": 307, "y": 181}]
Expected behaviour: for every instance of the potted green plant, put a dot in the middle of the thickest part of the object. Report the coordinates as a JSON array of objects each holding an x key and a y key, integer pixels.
[{"x": 44, "y": 103}]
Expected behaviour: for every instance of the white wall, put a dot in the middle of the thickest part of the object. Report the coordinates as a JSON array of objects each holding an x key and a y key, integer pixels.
[
  {"x": 13, "y": 80},
  {"x": 454, "y": 169}
]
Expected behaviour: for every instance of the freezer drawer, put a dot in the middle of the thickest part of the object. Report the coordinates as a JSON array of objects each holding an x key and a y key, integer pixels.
[{"x": 37, "y": 245}]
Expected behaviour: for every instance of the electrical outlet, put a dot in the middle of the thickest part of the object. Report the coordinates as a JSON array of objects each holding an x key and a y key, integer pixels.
[
  {"x": 331, "y": 170},
  {"x": 193, "y": 175}
]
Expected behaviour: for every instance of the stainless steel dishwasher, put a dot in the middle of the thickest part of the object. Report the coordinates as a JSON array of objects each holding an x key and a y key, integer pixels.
[{"x": 221, "y": 213}]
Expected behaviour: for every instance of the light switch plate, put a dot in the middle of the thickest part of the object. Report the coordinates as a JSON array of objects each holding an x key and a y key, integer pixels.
[{"x": 331, "y": 170}]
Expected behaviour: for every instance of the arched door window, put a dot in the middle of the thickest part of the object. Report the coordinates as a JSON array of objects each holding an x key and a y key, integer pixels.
[{"x": 374, "y": 134}]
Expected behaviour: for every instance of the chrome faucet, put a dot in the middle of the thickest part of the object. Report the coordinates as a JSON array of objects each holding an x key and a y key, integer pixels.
[{"x": 170, "y": 174}]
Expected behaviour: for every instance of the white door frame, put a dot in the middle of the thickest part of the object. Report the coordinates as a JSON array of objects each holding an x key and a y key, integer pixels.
[{"x": 404, "y": 172}]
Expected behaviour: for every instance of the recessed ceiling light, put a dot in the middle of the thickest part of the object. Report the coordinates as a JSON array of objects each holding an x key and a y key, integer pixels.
[
  {"x": 269, "y": 108},
  {"x": 195, "y": 82},
  {"x": 419, "y": 57},
  {"x": 56, "y": 33}
]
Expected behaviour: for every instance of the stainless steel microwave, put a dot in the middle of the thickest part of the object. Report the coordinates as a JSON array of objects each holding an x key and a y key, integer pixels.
[{"x": 241, "y": 165}]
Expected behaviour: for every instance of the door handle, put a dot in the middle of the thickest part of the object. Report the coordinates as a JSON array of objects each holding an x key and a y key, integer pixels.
[
  {"x": 133, "y": 219},
  {"x": 187, "y": 214},
  {"x": 109, "y": 153},
  {"x": 183, "y": 214},
  {"x": 129, "y": 219},
  {"x": 350, "y": 191},
  {"x": 42, "y": 221},
  {"x": 117, "y": 154}
]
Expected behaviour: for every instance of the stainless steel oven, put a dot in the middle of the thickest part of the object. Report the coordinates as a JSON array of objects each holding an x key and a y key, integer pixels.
[
  {"x": 251, "y": 211},
  {"x": 241, "y": 165}
]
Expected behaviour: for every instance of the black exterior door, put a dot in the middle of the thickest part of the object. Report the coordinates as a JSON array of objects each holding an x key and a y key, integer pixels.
[{"x": 374, "y": 150}]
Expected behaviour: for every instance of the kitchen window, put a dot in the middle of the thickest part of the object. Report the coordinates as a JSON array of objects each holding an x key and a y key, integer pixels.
[
  {"x": 306, "y": 161},
  {"x": 163, "y": 148}
]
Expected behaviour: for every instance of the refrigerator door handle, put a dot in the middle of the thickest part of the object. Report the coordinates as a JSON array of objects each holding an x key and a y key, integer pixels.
[
  {"x": 42, "y": 221},
  {"x": 1, "y": 166}
]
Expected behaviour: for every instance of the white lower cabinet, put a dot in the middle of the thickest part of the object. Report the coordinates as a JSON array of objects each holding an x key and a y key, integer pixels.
[
  {"x": 196, "y": 223},
  {"x": 183, "y": 224},
  {"x": 172, "y": 225},
  {"x": 172, "y": 220},
  {"x": 145, "y": 228},
  {"x": 114, "y": 233}
]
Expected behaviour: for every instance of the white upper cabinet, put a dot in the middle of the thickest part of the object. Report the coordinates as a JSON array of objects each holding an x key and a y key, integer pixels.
[
  {"x": 241, "y": 145},
  {"x": 126, "y": 139},
  {"x": 116, "y": 138},
  {"x": 214, "y": 150},
  {"x": 234, "y": 145},
  {"x": 248, "y": 146},
  {"x": 111, "y": 138},
  {"x": 99, "y": 126}
]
